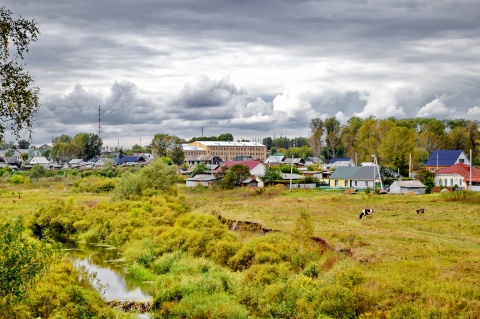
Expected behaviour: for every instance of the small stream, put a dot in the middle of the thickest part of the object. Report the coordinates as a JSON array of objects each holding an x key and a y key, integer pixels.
[{"x": 111, "y": 281}]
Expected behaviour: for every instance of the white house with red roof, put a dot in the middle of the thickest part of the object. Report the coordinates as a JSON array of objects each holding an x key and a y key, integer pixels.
[{"x": 460, "y": 175}]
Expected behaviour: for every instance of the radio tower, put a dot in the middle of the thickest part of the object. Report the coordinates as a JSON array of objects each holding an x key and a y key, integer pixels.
[{"x": 99, "y": 121}]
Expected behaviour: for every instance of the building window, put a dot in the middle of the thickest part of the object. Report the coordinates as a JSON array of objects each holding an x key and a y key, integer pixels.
[
  {"x": 461, "y": 160},
  {"x": 432, "y": 169},
  {"x": 460, "y": 183},
  {"x": 440, "y": 182},
  {"x": 451, "y": 182},
  {"x": 336, "y": 183}
]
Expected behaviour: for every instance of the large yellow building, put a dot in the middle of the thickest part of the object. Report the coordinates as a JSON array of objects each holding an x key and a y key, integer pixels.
[{"x": 227, "y": 151}]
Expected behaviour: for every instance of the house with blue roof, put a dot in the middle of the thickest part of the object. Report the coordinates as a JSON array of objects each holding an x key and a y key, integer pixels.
[
  {"x": 130, "y": 160},
  {"x": 445, "y": 158}
]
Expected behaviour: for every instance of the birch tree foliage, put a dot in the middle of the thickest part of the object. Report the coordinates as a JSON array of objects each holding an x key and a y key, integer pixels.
[{"x": 19, "y": 99}]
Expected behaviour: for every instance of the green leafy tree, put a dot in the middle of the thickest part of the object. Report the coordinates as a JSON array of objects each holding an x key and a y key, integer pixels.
[
  {"x": 300, "y": 152},
  {"x": 199, "y": 169},
  {"x": 317, "y": 131},
  {"x": 429, "y": 185},
  {"x": 37, "y": 171},
  {"x": 158, "y": 177},
  {"x": 22, "y": 259},
  {"x": 235, "y": 175},
  {"x": 369, "y": 137},
  {"x": 62, "y": 150},
  {"x": 349, "y": 136},
  {"x": 287, "y": 168},
  {"x": 86, "y": 145},
  {"x": 23, "y": 144},
  {"x": 227, "y": 137},
  {"x": 268, "y": 142},
  {"x": 169, "y": 146},
  {"x": 333, "y": 129},
  {"x": 281, "y": 142},
  {"x": 19, "y": 100},
  {"x": 459, "y": 139},
  {"x": 271, "y": 174},
  {"x": 396, "y": 147}
]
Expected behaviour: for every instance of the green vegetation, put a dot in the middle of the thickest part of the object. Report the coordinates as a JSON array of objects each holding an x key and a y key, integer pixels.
[
  {"x": 234, "y": 176},
  {"x": 18, "y": 98},
  {"x": 396, "y": 264}
]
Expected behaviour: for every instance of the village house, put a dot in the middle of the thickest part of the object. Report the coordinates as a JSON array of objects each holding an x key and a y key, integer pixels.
[
  {"x": 298, "y": 162},
  {"x": 40, "y": 161},
  {"x": 10, "y": 162},
  {"x": 445, "y": 158},
  {"x": 201, "y": 180},
  {"x": 355, "y": 177},
  {"x": 312, "y": 160},
  {"x": 256, "y": 168},
  {"x": 458, "y": 175},
  {"x": 77, "y": 163},
  {"x": 276, "y": 159},
  {"x": 402, "y": 187},
  {"x": 130, "y": 160},
  {"x": 194, "y": 160}
]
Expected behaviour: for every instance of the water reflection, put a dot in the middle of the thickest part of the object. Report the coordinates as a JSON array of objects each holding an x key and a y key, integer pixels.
[
  {"x": 112, "y": 282},
  {"x": 113, "y": 286}
]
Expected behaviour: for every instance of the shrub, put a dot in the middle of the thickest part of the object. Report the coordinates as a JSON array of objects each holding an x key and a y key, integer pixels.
[
  {"x": 17, "y": 179},
  {"x": 21, "y": 261},
  {"x": 156, "y": 178},
  {"x": 95, "y": 185}
]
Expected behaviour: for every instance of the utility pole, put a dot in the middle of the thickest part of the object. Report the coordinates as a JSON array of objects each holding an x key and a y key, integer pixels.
[{"x": 291, "y": 173}]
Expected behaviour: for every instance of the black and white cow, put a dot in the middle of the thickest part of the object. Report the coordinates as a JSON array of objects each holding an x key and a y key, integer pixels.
[
  {"x": 366, "y": 212},
  {"x": 420, "y": 210}
]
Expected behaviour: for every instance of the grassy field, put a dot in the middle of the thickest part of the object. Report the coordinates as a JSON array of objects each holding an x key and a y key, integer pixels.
[{"x": 429, "y": 261}]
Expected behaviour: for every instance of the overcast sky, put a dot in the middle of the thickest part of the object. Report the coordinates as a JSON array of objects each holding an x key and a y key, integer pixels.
[{"x": 250, "y": 68}]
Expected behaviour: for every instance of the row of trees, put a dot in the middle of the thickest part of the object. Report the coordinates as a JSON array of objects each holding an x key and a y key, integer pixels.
[{"x": 392, "y": 140}]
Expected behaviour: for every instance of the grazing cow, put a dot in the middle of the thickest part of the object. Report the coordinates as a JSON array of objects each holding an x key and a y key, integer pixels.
[
  {"x": 420, "y": 210},
  {"x": 366, "y": 212}
]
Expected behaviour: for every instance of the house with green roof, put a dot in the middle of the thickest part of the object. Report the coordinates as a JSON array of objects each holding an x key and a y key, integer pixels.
[{"x": 355, "y": 177}]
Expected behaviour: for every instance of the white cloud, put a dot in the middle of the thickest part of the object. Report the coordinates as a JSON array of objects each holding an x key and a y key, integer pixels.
[
  {"x": 435, "y": 108},
  {"x": 381, "y": 104},
  {"x": 293, "y": 103},
  {"x": 473, "y": 113}
]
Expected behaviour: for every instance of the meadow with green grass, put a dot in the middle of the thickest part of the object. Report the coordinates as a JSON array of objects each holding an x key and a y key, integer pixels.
[{"x": 394, "y": 264}]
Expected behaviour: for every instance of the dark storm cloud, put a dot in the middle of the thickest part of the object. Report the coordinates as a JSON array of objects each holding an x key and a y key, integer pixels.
[{"x": 205, "y": 92}]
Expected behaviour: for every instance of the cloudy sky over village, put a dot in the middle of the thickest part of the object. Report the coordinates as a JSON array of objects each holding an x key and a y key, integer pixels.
[{"x": 251, "y": 68}]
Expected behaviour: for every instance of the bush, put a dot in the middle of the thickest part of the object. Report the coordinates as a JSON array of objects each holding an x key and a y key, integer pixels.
[
  {"x": 17, "y": 179},
  {"x": 158, "y": 178},
  {"x": 95, "y": 185},
  {"x": 21, "y": 261}
]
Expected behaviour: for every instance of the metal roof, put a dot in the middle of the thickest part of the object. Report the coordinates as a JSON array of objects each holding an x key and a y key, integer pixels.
[
  {"x": 222, "y": 143},
  {"x": 443, "y": 158},
  {"x": 356, "y": 173},
  {"x": 409, "y": 184}
]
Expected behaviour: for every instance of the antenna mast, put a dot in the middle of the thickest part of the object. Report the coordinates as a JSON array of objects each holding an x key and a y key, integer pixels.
[{"x": 99, "y": 120}]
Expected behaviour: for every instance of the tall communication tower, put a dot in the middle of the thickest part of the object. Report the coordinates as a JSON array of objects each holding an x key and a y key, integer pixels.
[{"x": 99, "y": 120}]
